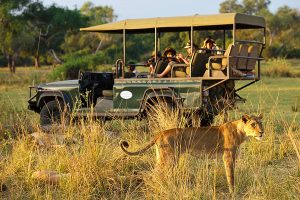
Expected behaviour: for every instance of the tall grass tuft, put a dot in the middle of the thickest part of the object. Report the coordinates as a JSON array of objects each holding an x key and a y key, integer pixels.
[
  {"x": 296, "y": 106},
  {"x": 277, "y": 67}
]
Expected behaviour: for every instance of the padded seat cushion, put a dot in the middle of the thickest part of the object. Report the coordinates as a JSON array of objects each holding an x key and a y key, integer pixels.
[
  {"x": 107, "y": 93},
  {"x": 180, "y": 74},
  {"x": 214, "y": 66}
]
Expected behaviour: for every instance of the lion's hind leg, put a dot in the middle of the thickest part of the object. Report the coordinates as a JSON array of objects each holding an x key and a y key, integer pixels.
[{"x": 165, "y": 157}]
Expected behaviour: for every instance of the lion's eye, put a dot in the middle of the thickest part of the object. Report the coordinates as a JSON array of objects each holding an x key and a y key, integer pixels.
[{"x": 253, "y": 125}]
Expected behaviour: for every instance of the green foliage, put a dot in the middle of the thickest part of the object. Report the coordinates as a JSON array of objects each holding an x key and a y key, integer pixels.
[
  {"x": 31, "y": 29},
  {"x": 28, "y": 28},
  {"x": 97, "y": 14},
  {"x": 230, "y": 6},
  {"x": 139, "y": 46},
  {"x": 283, "y": 28},
  {"x": 51, "y": 24},
  {"x": 80, "y": 61},
  {"x": 108, "y": 45},
  {"x": 13, "y": 32},
  {"x": 284, "y": 32},
  {"x": 251, "y": 7}
]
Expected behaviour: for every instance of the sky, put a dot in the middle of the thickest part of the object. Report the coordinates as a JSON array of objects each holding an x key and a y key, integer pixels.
[{"x": 130, "y": 9}]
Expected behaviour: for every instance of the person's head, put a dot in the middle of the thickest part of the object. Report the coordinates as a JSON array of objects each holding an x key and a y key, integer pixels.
[
  {"x": 131, "y": 67},
  {"x": 169, "y": 52},
  {"x": 188, "y": 47},
  {"x": 209, "y": 43}
]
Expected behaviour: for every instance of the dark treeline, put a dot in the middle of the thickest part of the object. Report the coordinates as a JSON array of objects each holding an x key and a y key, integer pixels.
[{"x": 34, "y": 34}]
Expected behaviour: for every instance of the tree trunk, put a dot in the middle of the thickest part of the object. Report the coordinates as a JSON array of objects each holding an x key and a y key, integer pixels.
[
  {"x": 37, "y": 61},
  {"x": 11, "y": 63}
]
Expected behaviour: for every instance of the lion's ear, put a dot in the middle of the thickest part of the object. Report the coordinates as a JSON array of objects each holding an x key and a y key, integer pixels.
[
  {"x": 260, "y": 115},
  {"x": 245, "y": 118}
]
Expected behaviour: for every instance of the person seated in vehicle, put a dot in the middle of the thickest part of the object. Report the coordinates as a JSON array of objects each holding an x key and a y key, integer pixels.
[
  {"x": 170, "y": 57},
  {"x": 190, "y": 52},
  {"x": 131, "y": 73},
  {"x": 209, "y": 47},
  {"x": 151, "y": 61}
]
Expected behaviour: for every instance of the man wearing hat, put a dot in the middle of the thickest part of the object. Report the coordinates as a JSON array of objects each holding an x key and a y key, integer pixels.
[{"x": 190, "y": 52}]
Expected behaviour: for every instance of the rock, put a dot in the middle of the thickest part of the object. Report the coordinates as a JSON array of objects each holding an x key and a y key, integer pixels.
[
  {"x": 51, "y": 177},
  {"x": 51, "y": 140}
]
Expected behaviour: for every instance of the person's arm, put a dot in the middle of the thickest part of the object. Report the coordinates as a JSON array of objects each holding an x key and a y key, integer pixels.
[
  {"x": 180, "y": 57},
  {"x": 151, "y": 69},
  {"x": 165, "y": 72}
]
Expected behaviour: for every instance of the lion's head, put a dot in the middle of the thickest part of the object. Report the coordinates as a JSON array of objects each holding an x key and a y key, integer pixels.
[{"x": 253, "y": 126}]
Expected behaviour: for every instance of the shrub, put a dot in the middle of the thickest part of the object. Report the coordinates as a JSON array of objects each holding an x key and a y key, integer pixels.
[
  {"x": 278, "y": 67},
  {"x": 76, "y": 62}
]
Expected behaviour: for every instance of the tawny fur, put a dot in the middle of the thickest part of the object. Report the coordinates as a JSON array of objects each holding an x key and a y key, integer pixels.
[{"x": 213, "y": 141}]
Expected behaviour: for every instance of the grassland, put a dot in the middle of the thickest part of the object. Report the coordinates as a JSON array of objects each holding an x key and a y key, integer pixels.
[{"x": 269, "y": 169}]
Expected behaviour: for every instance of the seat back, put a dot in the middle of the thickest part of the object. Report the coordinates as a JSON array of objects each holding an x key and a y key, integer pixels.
[
  {"x": 253, "y": 52},
  {"x": 230, "y": 57},
  {"x": 233, "y": 56},
  {"x": 160, "y": 66},
  {"x": 179, "y": 70},
  {"x": 242, "y": 62},
  {"x": 198, "y": 64}
]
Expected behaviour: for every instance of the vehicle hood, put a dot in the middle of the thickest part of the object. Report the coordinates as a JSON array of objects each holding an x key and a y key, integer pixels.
[{"x": 67, "y": 84}]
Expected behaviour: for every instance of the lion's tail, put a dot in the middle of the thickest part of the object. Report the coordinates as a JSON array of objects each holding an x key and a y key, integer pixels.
[{"x": 124, "y": 146}]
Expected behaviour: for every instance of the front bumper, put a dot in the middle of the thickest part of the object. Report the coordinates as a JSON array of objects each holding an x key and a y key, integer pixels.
[{"x": 32, "y": 102}]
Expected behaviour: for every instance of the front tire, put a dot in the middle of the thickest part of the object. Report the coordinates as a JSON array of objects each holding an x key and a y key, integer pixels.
[{"x": 52, "y": 113}]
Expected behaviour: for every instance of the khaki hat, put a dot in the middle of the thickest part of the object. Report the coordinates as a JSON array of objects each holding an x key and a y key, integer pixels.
[
  {"x": 169, "y": 49},
  {"x": 188, "y": 45}
]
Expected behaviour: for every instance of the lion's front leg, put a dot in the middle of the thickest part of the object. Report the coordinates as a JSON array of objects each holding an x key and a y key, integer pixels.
[{"x": 229, "y": 162}]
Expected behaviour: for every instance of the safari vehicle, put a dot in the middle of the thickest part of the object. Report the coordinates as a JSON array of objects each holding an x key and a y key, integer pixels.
[{"x": 202, "y": 89}]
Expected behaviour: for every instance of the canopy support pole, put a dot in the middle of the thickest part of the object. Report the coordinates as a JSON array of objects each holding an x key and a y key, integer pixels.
[
  {"x": 233, "y": 33},
  {"x": 224, "y": 39},
  {"x": 155, "y": 44},
  {"x": 124, "y": 52},
  {"x": 192, "y": 47}
]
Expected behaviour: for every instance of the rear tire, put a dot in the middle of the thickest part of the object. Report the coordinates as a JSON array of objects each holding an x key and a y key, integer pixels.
[
  {"x": 153, "y": 108},
  {"x": 52, "y": 113}
]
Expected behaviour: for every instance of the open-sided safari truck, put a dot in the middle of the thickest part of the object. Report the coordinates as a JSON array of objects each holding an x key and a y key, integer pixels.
[{"x": 203, "y": 89}]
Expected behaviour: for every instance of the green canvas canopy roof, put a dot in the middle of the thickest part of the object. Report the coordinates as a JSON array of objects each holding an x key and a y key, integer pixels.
[{"x": 218, "y": 21}]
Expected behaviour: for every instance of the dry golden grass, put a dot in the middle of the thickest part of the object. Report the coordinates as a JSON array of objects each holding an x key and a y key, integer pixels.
[
  {"x": 99, "y": 170},
  {"x": 268, "y": 169}
]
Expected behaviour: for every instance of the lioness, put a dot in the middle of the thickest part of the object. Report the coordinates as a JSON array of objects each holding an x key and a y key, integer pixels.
[{"x": 216, "y": 140}]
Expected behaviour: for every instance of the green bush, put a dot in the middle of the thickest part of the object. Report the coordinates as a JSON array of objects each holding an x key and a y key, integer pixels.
[
  {"x": 278, "y": 67},
  {"x": 74, "y": 63}
]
